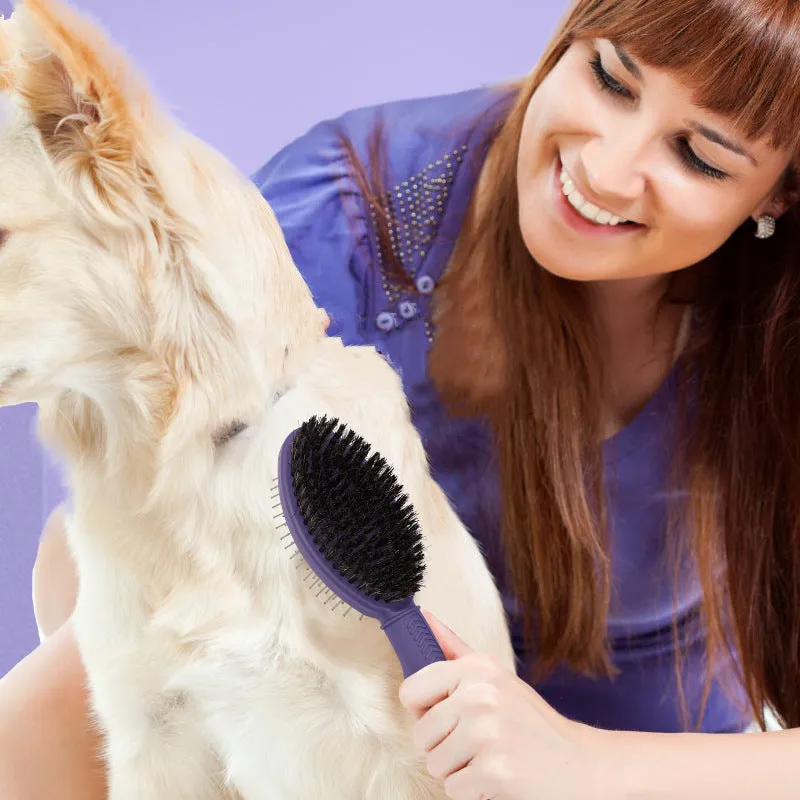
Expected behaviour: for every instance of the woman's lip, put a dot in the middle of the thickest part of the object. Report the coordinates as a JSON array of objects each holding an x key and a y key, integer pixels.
[{"x": 578, "y": 222}]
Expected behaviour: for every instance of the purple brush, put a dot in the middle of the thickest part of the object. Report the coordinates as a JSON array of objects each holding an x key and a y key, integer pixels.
[{"x": 356, "y": 530}]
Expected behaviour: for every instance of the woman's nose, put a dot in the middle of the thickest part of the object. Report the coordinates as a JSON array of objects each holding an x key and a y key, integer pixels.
[{"x": 612, "y": 171}]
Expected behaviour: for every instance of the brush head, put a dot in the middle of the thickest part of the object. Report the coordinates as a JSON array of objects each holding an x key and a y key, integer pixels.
[{"x": 355, "y": 511}]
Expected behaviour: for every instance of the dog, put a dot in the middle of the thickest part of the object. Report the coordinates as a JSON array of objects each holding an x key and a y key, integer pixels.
[{"x": 150, "y": 306}]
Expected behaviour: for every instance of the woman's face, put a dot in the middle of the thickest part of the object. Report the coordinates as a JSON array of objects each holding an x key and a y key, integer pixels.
[{"x": 620, "y": 140}]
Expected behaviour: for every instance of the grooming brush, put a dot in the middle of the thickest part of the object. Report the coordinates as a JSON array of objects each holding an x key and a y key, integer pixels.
[{"x": 351, "y": 522}]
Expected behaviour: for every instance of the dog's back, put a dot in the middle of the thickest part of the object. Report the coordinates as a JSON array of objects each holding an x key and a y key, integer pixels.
[{"x": 290, "y": 675}]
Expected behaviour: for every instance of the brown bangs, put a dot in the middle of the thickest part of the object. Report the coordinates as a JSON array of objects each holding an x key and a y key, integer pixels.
[{"x": 741, "y": 58}]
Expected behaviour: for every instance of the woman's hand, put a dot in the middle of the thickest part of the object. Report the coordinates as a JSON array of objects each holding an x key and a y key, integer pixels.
[{"x": 489, "y": 735}]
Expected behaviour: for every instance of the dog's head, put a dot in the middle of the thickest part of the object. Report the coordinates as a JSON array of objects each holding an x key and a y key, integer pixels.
[{"x": 140, "y": 274}]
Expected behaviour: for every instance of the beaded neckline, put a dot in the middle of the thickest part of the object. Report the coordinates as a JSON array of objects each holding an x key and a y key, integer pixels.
[{"x": 414, "y": 209}]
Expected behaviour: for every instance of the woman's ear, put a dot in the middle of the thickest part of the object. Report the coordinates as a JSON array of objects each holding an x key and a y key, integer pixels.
[{"x": 786, "y": 196}]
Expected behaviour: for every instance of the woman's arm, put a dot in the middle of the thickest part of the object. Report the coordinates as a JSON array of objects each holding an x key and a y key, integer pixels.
[
  {"x": 487, "y": 733},
  {"x": 55, "y": 582},
  {"x": 653, "y": 766},
  {"x": 48, "y": 748}
]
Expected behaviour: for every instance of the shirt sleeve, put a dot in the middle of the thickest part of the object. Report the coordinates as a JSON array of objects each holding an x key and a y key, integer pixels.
[{"x": 310, "y": 188}]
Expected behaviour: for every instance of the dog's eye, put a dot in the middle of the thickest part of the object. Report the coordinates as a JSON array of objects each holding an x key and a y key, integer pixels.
[{"x": 4, "y": 234}]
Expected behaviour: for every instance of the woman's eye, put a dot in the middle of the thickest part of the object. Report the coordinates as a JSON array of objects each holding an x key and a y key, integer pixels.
[
  {"x": 605, "y": 81},
  {"x": 695, "y": 163},
  {"x": 618, "y": 90}
]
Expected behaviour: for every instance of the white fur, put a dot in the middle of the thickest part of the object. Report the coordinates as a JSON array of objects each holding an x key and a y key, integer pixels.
[{"x": 147, "y": 298}]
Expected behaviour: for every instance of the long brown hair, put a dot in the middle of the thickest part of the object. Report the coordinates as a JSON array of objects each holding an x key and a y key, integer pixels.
[{"x": 515, "y": 344}]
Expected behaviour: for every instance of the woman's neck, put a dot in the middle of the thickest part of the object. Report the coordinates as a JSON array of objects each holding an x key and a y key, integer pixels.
[{"x": 641, "y": 339}]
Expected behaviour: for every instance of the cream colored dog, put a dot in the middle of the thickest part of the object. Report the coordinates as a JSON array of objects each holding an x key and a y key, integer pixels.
[{"x": 147, "y": 302}]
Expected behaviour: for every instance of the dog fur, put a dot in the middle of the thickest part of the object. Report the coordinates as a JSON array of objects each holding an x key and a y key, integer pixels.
[{"x": 147, "y": 301}]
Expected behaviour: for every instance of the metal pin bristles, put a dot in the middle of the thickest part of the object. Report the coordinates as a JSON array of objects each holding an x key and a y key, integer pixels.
[{"x": 311, "y": 579}]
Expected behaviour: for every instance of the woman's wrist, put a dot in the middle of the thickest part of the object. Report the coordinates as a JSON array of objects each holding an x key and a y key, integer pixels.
[
  {"x": 619, "y": 764},
  {"x": 609, "y": 774}
]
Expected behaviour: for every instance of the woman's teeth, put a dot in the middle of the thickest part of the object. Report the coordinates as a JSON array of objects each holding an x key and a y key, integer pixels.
[{"x": 586, "y": 209}]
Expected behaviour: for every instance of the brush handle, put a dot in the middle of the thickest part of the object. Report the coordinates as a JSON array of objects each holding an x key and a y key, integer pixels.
[{"x": 412, "y": 640}]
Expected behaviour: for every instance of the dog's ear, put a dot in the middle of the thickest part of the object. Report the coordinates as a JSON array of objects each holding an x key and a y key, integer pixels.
[{"x": 83, "y": 97}]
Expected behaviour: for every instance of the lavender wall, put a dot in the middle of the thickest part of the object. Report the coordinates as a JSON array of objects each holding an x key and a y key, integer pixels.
[{"x": 248, "y": 76}]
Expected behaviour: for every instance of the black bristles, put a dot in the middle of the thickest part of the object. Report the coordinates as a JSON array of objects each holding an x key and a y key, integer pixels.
[{"x": 356, "y": 511}]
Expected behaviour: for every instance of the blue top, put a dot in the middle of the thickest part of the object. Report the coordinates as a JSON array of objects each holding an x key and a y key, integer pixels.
[{"x": 433, "y": 160}]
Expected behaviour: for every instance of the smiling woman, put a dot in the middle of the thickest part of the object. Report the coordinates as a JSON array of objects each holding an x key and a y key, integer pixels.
[
  {"x": 631, "y": 142},
  {"x": 661, "y": 114}
]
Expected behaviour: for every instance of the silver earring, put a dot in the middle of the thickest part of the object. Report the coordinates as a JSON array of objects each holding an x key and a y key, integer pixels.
[{"x": 766, "y": 226}]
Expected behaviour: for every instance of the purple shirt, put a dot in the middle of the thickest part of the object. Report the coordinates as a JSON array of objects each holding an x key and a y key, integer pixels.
[{"x": 434, "y": 154}]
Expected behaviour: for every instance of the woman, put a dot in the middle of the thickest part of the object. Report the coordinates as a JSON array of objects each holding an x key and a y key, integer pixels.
[{"x": 590, "y": 284}]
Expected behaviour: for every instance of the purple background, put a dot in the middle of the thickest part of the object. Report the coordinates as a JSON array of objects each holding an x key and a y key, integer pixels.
[{"x": 249, "y": 76}]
